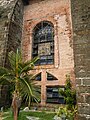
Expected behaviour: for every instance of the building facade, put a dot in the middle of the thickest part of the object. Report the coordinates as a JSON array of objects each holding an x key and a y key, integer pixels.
[
  {"x": 60, "y": 17},
  {"x": 47, "y": 33}
]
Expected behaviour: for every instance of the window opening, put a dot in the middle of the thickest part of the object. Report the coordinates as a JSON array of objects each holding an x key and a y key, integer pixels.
[
  {"x": 43, "y": 43},
  {"x": 53, "y": 95},
  {"x": 38, "y": 77},
  {"x": 50, "y": 77}
]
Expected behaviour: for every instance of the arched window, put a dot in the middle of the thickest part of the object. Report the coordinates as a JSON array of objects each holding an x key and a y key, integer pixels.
[{"x": 43, "y": 43}]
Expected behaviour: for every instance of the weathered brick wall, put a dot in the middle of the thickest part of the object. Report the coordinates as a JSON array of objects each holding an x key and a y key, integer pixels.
[
  {"x": 81, "y": 36},
  {"x": 58, "y": 13}
]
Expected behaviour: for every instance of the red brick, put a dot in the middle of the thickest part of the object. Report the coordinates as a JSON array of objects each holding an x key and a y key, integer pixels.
[{"x": 58, "y": 13}]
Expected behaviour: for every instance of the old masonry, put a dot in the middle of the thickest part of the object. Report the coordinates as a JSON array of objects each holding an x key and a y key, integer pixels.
[{"x": 58, "y": 31}]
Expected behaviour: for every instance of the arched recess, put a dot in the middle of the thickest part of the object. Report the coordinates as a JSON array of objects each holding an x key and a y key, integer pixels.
[{"x": 43, "y": 43}]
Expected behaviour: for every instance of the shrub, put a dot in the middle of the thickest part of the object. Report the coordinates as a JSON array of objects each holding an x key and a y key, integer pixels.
[
  {"x": 69, "y": 94},
  {"x": 64, "y": 113}
]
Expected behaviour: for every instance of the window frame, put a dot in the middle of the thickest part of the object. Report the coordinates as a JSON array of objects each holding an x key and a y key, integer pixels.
[{"x": 50, "y": 58}]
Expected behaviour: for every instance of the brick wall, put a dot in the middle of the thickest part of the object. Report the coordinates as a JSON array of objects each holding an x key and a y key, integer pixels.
[
  {"x": 81, "y": 36},
  {"x": 58, "y": 12}
]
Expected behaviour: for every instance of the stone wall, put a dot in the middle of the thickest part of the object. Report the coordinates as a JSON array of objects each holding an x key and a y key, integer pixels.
[
  {"x": 81, "y": 36},
  {"x": 4, "y": 96},
  {"x": 5, "y": 10},
  {"x": 15, "y": 28},
  {"x": 11, "y": 20}
]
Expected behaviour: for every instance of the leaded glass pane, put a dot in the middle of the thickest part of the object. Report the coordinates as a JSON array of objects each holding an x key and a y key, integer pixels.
[
  {"x": 44, "y": 49},
  {"x": 43, "y": 43},
  {"x": 53, "y": 95}
]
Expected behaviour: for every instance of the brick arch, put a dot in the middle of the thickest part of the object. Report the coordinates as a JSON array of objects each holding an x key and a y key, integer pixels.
[{"x": 45, "y": 20}]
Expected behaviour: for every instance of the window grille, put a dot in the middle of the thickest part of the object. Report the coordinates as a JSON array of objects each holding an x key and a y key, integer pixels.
[
  {"x": 53, "y": 95},
  {"x": 43, "y": 43}
]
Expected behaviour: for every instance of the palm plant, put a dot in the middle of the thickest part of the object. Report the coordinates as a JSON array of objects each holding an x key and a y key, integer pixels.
[{"x": 18, "y": 76}]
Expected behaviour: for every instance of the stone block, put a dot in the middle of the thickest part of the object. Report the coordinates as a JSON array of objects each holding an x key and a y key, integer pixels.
[
  {"x": 87, "y": 97},
  {"x": 80, "y": 117},
  {"x": 81, "y": 99},
  {"x": 83, "y": 89},
  {"x": 86, "y": 82},
  {"x": 84, "y": 109}
]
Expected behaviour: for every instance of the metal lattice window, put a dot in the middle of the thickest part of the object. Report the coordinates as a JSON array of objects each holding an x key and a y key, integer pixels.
[
  {"x": 53, "y": 95},
  {"x": 43, "y": 43}
]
